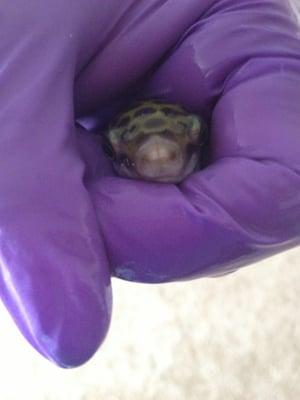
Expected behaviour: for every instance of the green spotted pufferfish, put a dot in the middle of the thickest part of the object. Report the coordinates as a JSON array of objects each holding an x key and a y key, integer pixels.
[{"x": 155, "y": 141}]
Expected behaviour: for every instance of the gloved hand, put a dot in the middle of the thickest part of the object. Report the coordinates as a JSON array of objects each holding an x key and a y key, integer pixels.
[
  {"x": 66, "y": 218},
  {"x": 238, "y": 64}
]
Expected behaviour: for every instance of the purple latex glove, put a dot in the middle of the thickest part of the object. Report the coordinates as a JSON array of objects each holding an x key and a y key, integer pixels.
[
  {"x": 55, "y": 277},
  {"x": 66, "y": 218},
  {"x": 238, "y": 64}
]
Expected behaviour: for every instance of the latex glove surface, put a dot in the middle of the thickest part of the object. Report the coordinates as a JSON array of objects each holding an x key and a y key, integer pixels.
[
  {"x": 55, "y": 277},
  {"x": 238, "y": 64},
  {"x": 66, "y": 219}
]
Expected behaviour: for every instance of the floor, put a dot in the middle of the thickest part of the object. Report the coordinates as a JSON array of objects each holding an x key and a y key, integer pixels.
[{"x": 232, "y": 338}]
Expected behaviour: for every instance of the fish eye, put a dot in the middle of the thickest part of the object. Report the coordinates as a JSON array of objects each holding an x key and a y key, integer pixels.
[{"x": 109, "y": 150}]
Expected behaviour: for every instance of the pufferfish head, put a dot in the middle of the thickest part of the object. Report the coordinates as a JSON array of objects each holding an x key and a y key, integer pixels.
[{"x": 155, "y": 141}]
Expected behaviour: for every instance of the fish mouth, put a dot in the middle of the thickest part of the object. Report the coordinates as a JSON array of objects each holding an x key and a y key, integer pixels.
[
  {"x": 172, "y": 178},
  {"x": 189, "y": 168},
  {"x": 161, "y": 177},
  {"x": 167, "y": 179},
  {"x": 175, "y": 177}
]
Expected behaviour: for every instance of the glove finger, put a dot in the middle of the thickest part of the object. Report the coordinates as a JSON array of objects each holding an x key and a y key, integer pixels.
[
  {"x": 54, "y": 276},
  {"x": 133, "y": 39}
]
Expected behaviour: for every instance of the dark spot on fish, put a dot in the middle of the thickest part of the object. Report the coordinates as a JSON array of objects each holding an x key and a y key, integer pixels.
[
  {"x": 172, "y": 111},
  {"x": 144, "y": 111},
  {"x": 185, "y": 126},
  {"x": 131, "y": 128},
  {"x": 124, "y": 134},
  {"x": 122, "y": 122},
  {"x": 154, "y": 123}
]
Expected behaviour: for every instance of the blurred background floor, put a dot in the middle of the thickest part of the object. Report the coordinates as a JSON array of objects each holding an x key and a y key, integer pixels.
[{"x": 234, "y": 338}]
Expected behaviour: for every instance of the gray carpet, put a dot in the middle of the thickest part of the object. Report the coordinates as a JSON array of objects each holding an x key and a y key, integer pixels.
[{"x": 232, "y": 338}]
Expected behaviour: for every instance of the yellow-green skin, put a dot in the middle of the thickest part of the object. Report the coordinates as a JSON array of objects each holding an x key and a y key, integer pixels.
[{"x": 155, "y": 141}]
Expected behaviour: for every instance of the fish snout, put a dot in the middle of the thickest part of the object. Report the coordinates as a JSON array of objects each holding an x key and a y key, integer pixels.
[{"x": 159, "y": 158}]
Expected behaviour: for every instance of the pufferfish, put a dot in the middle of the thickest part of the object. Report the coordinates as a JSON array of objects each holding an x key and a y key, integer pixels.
[{"x": 155, "y": 141}]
